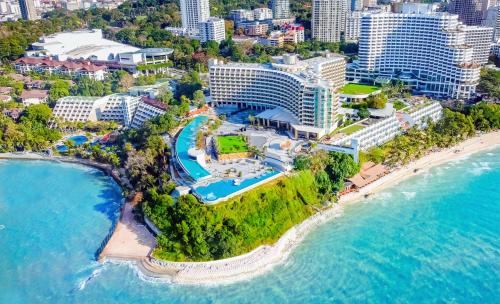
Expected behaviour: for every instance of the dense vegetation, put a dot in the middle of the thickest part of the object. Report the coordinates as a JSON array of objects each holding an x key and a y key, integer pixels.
[
  {"x": 193, "y": 231},
  {"x": 30, "y": 133},
  {"x": 142, "y": 23},
  {"x": 490, "y": 82},
  {"x": 453, "y": 128}
]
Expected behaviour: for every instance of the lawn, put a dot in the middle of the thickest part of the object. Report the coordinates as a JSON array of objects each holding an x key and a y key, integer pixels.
[
  {"x": 351, "y": 129},
  {"x": 356, "y": 88},
  {"x": 232, "y": 144}
]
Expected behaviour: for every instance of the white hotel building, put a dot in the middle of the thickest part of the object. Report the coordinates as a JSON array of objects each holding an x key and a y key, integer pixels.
[
  {"x": 297, "y": 95},
  {"x": 433, "y": 52},
  {"x": 375, "y": 132}
]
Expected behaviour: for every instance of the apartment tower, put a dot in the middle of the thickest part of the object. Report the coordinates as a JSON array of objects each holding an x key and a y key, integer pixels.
[
  {"x": 329, "y": 19},
  {"x": 193, "y": 12}
]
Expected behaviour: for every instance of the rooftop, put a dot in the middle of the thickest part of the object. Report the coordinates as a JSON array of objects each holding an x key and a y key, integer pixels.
[
  {"x": 34, "y": 94},
  {"x": 358, "y": 89}
]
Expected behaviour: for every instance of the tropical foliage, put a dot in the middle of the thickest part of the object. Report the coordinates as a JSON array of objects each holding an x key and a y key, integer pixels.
[
  {"x": 450, "y": 130},
  {"x": 30, "y": 133},
  {"x": 193, "y": 231}
]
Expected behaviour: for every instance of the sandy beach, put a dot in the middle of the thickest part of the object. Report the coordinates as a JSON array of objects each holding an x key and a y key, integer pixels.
[
  {"x": 133, "y": 242},
  {"x": 264, "y": 258}
]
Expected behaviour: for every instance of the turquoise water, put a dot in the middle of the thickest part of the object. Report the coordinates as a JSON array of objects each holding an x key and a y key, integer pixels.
[
  {"x": 225, "y": 187},
  {"x": 187, "y": 140},
  {"x": 433, "y": 238},
  {"x": 77, "y": 139}
]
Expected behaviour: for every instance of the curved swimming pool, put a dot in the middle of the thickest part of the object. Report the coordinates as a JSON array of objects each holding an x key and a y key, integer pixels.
[{"x": 185, "y": 141}]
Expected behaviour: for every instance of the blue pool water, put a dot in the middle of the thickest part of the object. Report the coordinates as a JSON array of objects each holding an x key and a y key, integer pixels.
[
  {"x": 78, "y": 139},
  {"x": 223, "y": 188},
  {"x": 433, "y": 238},
  {"x": 187, "y": 140}
]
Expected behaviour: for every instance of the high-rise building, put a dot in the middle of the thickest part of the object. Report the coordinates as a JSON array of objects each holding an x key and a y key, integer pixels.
[
  {"x": 262, "y": 13},
  {"x": 241, "y": 15},
  {"x": 329, "y": 19},
  {"x": 212, "y": 30},
  {"x": 433, "y": 52},
  {"x": 470, "y": 12},
  {"x": 353, "y": 26},
  {"x": 28, "y": 11},
  {"x": 300, "y": 96},
  {"x": 281, "y": 9},
  {"x": 356, "y": 5},
  {"x": 193, "y": 12},
  {"x": 369, "y": 3},
  {"x": 493, "y": 20}
]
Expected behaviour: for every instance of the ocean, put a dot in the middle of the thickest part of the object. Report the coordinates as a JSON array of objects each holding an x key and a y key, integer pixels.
[{"x": 433, "y": 238}]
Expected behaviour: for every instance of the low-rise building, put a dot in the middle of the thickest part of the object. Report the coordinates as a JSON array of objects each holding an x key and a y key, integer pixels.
[
  {"x": 49, "y": 66},
  {"x": 419, "y": 113},
  {"x": 91, "y": 45},
  {"x": 34, "y": 97},
  {"x": 369, "y": 132},
  {"x": 255, "y": 28},
  {"x": 373, "y": 132}
]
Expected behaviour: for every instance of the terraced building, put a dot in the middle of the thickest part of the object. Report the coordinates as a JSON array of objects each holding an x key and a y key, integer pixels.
[{"x": 432, "y": 52}]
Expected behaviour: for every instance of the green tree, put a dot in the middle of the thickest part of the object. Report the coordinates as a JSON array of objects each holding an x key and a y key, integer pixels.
[{"x": 58, "y": 89}]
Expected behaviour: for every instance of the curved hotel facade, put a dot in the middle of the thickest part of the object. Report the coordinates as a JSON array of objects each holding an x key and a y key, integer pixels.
[
  {"x": 433, "y": 52},
  {"x": 298, "y": 95}
]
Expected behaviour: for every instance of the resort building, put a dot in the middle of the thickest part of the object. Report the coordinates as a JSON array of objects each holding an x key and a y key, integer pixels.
[
  {"x": 213, "y": 29},
  {"x": 329, "y": 19},
  {"x": 433, "y": 53},
  {"x": 299, "y": 96},
  {"x": 420, "y": 113},
  {"x": 369, "y": 132},
  {"x": 74, "y": 69},
  {"x": 79, "y": 108},
  {"x": 193, "y": 12},
  {"x": 281, "y": 9},
  {"x": 147, "y": 109},
  {"x": 120, "y": 108},
  {"x": 90, "y": 45},
  {"x": 373, "y": 132},
  {"x": 34, "y": 97}
]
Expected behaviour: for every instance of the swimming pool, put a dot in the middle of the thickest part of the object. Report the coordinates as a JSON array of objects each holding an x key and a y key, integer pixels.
[
  {"x": 224, "y": 189},
  {"x": 185, "y": 141},
  {"x": 77, "y": 139}
]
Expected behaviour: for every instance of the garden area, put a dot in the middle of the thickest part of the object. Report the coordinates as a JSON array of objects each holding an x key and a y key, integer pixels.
[
  {"x": 231, "y": 144},
  {"x": 358, "y": 89}
]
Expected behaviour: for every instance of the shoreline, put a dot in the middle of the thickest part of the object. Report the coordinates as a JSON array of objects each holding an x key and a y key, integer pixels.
[
  {"x": 107, "y": 169},
  {"x": 132, "y": 242},
  {"x": 264, "y": 258}
]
